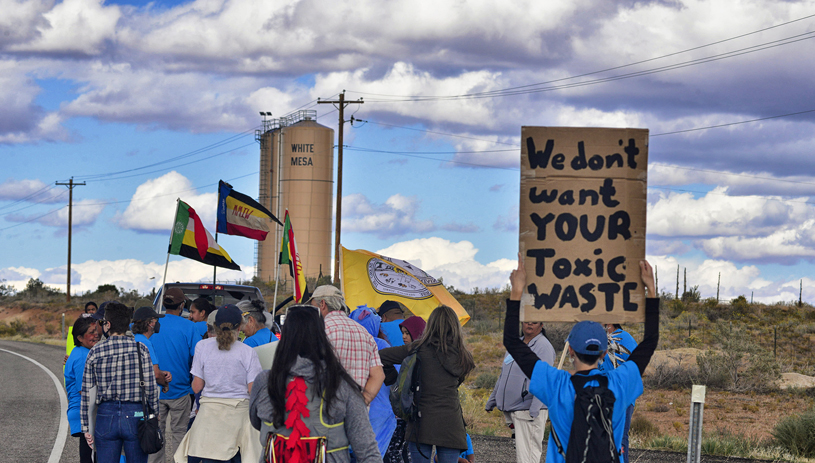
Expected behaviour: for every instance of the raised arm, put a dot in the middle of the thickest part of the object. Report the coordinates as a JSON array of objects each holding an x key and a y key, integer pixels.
[
  {"x": 642, "y": 354},
  {"x": 519, "y": 351}
]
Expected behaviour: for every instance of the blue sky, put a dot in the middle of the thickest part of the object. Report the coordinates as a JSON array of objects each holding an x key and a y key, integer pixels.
[{"x": 149, "y": 101}]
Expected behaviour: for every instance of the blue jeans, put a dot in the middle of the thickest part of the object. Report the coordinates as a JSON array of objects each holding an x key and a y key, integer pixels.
[
  {"x": 628, "y": 413},
  {"x": 116, "y": 427},
  {"x": 445, "y": 454}
]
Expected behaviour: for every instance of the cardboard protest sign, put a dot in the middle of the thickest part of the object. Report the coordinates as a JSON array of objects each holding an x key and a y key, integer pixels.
[{"x": 582, "y": 223}]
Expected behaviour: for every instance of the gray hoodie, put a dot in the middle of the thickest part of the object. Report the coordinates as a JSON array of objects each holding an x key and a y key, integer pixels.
[
  {"x": 511, "y": 392},
  {"x": 348, "y": 407}
]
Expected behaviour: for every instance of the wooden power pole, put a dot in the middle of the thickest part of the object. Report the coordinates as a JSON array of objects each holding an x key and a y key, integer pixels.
[
  {"x": 340, "y": 105},
  {"x": 70, "y": 186}
]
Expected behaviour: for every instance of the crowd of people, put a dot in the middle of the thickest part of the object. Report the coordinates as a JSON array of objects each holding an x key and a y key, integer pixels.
[{"x": 322, "y": 391}]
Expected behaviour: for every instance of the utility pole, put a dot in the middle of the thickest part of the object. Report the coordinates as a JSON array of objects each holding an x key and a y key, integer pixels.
[
  {"x": 340, "y": 105},
  {"x": 70, "y": 186}
]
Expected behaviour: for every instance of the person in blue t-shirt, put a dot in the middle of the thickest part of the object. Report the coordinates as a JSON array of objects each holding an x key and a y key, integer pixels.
[
  {"x": 199, "y": 311},
  {"x": 380, "y": 412},
  {"x": 254, "y": 327},
  {"x": 392, "y": 314},
  {"x": 621, "y": 349},
  {"x": 85, "y": 335},
  {"x": 175, "y": 348},
  {"x": 587, "y": 345},
  {"x": 145, "y": 325}
]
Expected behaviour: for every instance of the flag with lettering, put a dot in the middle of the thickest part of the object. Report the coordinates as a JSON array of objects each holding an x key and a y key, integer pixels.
[
  {"x": 372, "y": 279},
  {"x": 241, "y": 215},
  {"x": 190, "y": 239},
  {"x": 289, "y": 255}
]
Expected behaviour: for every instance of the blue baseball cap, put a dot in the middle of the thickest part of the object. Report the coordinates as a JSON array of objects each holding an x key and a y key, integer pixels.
[
  {"x": 588, "y": 338},
  {"x": 229, "y": 313}
]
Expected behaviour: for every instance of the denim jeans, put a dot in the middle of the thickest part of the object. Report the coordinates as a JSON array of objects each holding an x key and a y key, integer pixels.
[
  {"x": 116, "y": 427},
  {"x": 628, "y": 413},
  {"x": 420, "y": 453}
]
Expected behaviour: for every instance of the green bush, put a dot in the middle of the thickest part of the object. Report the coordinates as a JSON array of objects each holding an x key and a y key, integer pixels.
[
  {"x": 739, "y": 365},
  {"x": 486, "y": 380},
  {"x": 642, "y": 427},
  {"x": 797, "y": 434}
]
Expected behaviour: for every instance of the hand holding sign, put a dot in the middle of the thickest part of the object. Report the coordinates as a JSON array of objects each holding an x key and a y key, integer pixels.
[
  {"x": 648, "y": 278},
  {"x": 517, "y": 280}
]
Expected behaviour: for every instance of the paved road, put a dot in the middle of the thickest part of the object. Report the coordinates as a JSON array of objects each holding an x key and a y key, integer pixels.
[
  {"x": 30, "y": 414},
  {"x": 30, "y": 410}
]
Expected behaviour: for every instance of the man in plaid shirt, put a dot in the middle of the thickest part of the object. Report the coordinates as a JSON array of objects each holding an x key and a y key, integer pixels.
[
  {"x": 113, "y": 367},
  {"x": 352, "y": 343}
]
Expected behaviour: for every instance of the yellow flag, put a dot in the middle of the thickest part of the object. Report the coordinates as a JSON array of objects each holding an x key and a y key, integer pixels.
[{"x": 372, "y": 279}]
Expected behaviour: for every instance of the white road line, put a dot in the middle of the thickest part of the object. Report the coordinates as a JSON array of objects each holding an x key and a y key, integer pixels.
[{"x": 62, "y": 433}]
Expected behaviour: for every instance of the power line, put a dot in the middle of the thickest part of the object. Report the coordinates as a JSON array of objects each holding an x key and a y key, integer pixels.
[
  {"x": 35, "y": 218},
  {"x": 732, "y": 123},
  {"x": 43, "y": 190},
  {"x": 501, "y": 92}
]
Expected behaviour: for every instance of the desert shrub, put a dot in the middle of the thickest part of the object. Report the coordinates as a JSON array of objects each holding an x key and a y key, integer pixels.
[
  {"x": 714, "y": 370},
  {"x": 484, "y": 326},
  {"x": 642, "y": 427},
  {"x": 557, "y": 334},
  {"x": 740, "y": 364},
  {"x": 669, "y": 374},
  {"x": 486, "y": 380},
  {"x": 692, "y": 295},
  {"x": 674, "y": 444},
  {"x": 16, "y": 327},
  {"x": 796, "y": 434},
  {"x": 725, "y": 443}
]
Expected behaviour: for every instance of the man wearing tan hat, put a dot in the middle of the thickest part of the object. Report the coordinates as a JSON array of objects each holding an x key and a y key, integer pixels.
[
  {"x": 352, "y": 343},
  {"x": 174, "y": 347}
]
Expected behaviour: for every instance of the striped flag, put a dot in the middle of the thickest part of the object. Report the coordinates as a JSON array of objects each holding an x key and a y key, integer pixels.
[
  {"x": 241, "y": 215},
  {"x": 192, "y": 240},
  {"x": 289, "y": 255}
]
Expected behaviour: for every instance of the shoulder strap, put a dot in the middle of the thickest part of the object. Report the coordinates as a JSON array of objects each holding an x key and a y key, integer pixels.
[{"x": 145, "y": 407}]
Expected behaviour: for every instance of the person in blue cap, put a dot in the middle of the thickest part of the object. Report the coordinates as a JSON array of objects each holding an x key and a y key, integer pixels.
[{"x": 588, "y": 343}]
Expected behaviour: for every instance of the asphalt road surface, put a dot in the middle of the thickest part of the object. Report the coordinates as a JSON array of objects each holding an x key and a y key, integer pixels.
[{"x": 31, "y": 415}]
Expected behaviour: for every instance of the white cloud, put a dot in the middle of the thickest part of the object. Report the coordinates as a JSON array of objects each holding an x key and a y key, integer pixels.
[
  {"x": 129, "y": 274},
  {"x": 453, "y": 261},
  {"x": 73, "y": 26},
  {"x": 153, "y": 204},
  {"x": 397, "y": 216},
  {"x": 787, "y": 245},
  {"x": 737, "y": 183},
  {"x": 717, "y": 213},
  {"x": 32, "y": 191}
]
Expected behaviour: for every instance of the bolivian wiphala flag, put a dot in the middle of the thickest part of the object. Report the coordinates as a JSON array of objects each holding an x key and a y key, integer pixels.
[
  {"x": 190, "y": 239},
  {"x": 372, "y": 279},
  {"x": 241, "y": 215}
]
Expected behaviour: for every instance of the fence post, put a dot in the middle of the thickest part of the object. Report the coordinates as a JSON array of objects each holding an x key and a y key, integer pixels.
[
  {"x": 697, "y": 398},
  {"x": 775, "y": 341}
]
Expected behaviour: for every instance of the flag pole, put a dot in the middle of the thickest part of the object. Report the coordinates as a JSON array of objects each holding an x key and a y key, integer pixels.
[
  {"x": 214, "y": 267},
  {"x": 167, "y": 262},
  {"x": 277, "y": 269}
]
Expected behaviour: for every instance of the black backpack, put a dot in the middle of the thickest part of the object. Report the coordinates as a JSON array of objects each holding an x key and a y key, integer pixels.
[
  {"x": 592, "y": 437},
  {"x": 404, "y": 395}
]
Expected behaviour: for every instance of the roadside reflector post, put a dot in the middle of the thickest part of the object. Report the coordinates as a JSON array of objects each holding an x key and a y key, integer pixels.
[
  {"x": 697, "y": 398},
  {"x": 63, "y": 325}
]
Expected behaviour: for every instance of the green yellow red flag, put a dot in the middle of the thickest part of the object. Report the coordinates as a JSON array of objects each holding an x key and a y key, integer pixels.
[
  {"x": 190, "y": 239},
  {"x": 289, "y": 255},
  {"x": 371, "y": 279}
]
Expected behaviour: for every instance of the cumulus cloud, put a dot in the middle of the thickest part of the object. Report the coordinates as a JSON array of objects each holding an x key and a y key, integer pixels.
[
  {"x": 396, "y": 217},
  {"x": 72, "y": 27},
  {"x": 31, "y": 190},
  {"x": 452, "y": 261},
  {"x": 737, "y": 183},
  {"x": 718, "y": 213},
  {"x": 85, "y": 213},
  {"x": 153, "y": 204},
  {"x": 128, "y": 274},
  {"x": 22, "y": 119}
]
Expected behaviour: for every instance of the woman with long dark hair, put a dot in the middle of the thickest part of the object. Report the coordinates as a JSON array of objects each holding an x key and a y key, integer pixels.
[
  {"x": 444, "y": 364},
  {"x": 85, "y": 336},
  {"x": 306, "y": 375}
]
